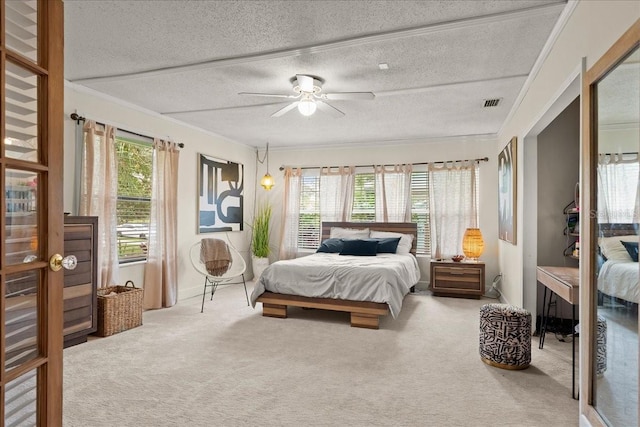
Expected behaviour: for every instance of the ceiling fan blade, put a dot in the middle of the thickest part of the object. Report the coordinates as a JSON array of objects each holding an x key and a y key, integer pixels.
[
  {"x": 349, "y": 95},
  {"x": 305, "y": 82},
  {"x": 285, "y": 110},
  {"x": 328, "y": 108},
  {"x": 272, "y": 95}
]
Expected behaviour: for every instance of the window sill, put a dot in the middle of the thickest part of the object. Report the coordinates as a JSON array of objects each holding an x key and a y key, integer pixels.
[{"x": 132, "y": 263}]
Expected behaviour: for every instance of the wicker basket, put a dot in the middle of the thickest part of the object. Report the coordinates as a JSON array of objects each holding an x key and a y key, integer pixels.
[{"x": 119, "y": 309}]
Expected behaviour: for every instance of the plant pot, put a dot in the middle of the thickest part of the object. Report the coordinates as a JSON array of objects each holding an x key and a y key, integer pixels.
[{"x": 258, "y": 265}]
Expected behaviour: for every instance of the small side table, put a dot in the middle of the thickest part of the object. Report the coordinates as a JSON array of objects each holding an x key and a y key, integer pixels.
[{"x": 457, "y": 279}]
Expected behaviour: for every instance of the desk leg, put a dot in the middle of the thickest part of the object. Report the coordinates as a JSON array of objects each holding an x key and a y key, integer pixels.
[{"x": 543, "y": 321}]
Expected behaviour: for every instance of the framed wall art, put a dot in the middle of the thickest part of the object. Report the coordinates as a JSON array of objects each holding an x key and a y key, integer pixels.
[
  {"x": 507, "y": 172},
  {"x": 220, "y": 201}
]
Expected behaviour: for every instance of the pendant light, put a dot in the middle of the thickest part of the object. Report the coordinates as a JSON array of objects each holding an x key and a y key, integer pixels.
[{"x": 267, "y": 181}]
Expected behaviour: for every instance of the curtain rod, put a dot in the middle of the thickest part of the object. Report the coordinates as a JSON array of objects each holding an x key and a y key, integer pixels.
[
  {"x": 78, "y": 118},
  {"x": 483, "y": 159}
]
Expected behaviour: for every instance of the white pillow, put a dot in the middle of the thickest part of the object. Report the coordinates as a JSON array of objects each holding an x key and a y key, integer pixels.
[
  {"x": 611, "y": 247},
  {"x": 406, "y": 240},
  {"x": 349, "y": 233}
]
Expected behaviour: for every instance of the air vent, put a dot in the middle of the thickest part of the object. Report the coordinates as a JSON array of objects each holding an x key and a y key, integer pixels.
[{"x": 491, "y": 102}]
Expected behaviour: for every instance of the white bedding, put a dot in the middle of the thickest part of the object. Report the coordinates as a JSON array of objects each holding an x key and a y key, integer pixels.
[
  {"x": 385, "y": 278},
  {"x": 620, "y": 279}
]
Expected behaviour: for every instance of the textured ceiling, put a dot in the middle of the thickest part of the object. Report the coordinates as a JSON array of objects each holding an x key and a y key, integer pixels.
[
  {"x": 619, "y": 95},
  {"x": 189, "y": 60}
]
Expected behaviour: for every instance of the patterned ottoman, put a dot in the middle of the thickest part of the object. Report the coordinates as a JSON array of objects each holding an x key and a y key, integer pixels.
[
  {"x": 601, "y": 346},
  {"x": 505, "y": 336}
]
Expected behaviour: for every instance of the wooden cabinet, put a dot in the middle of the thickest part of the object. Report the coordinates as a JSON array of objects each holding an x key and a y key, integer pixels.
[
  {"x": 80, "y": 285},
  {"x": 457, "y": 279}
]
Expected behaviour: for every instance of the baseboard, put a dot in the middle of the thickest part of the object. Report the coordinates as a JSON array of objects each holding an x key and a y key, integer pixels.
[
  {"x": 422, "y": 285},
  {"x": 196, "y": 291},
  {"x": 190, "y": 292},
  {"x": 555, "y": 325}
]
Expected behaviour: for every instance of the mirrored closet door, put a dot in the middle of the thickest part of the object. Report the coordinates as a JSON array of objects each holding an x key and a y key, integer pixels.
[{"x": 612, "y": 273}]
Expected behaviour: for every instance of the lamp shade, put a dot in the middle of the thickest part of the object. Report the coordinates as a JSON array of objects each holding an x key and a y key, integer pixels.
[
  {"x": 472, "y": 243},
  {"x": 267, "y": 181}
]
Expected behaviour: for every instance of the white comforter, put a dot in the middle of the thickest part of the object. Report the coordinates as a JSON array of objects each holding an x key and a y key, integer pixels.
[
  {"x": 385, "y": 278},
  {"x": 620, "y": 279}
]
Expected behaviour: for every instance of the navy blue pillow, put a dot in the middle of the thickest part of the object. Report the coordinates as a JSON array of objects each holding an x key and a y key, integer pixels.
[
  {"x": 387, "y": 245},
  {"x": 632, "y": 248},
  {"x": 331, "y": 246},
  {"x": 359, "y": 247}
]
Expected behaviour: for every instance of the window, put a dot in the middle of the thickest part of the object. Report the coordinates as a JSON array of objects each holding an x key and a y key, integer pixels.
[
  {"x": 420, "y": 210},
  {"x": 133, "y": 206},
  {"x": 364, "y": 198},
  {"x": 309, "y": 224},
  {"x": 364, "y": 207},
  {"x": 617, "y": 190}
]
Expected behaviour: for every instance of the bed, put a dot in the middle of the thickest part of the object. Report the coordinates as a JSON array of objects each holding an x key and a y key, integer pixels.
[
  {"x": 619, "y": 274},
  {"x": 365, "y": 286}
]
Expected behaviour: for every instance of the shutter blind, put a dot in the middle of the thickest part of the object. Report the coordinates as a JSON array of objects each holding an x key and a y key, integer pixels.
[{"x": 309, "y": 224}]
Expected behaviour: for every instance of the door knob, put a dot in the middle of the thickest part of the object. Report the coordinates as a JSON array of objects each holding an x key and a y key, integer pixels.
[{"x": 68, "y": 263}]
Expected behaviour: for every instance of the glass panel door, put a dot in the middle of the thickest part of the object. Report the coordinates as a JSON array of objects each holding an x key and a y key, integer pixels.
[{"x": 31, "y": 135}]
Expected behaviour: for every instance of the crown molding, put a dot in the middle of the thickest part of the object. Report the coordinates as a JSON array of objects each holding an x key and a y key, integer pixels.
[
  {"x": 618, "y": 126},
  {"x": 476, "y": 138}
]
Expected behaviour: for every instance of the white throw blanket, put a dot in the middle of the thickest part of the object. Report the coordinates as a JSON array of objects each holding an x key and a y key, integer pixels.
[
  {"x": 620, "y": 279},
  {"x": 385, "y": 278}
]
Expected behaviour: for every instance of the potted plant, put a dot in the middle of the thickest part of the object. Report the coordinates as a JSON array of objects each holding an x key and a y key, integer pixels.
[{"x": 260, "y": 240}]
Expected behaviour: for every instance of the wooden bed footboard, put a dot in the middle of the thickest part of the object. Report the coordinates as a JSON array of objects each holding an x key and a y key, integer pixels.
[{"x": 363, "y": 314}]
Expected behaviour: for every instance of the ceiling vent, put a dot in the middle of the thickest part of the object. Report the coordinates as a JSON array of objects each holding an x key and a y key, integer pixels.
[{"x": 491, "y": 102}]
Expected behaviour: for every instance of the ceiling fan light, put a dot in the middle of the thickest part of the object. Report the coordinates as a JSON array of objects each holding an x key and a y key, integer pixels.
[{"x": 307, "y": 107}]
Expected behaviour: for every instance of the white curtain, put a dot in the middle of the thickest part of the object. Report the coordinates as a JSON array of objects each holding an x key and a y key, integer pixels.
[
  {"x": 336, "y": 193},
  {"x": 99, "y": 194},
  {"x": 290, "y": 213},
  {"x": 393, "y": 193},
  {"x": 453, "y": 205},
  {"x": 161, "y": 269},
  {"x": 618, "y": 188}
]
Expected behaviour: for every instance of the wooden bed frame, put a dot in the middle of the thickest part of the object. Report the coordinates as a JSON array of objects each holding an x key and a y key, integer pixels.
[{"x": 364, "y": 314}]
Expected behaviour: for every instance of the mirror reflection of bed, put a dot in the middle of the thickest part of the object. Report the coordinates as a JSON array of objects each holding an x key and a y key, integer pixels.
[
  {"x": 618, "y": 271},
  {"x": 618, "y": 296}
]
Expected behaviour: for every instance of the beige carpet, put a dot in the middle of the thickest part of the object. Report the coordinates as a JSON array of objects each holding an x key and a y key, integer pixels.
[{"x": 231, "y": 366}]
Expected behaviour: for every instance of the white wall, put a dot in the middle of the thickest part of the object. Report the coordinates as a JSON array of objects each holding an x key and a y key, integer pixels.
[
  {"x": 622, "y": 140},
  {"x": 105, "y": 109},
  {"x": 109, "y": 110},
  {"x": 590, "y": 30},
  {"x": 417, "y": 152}
]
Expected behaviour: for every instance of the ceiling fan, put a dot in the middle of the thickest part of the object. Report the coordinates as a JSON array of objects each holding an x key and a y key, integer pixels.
[{"x": 308, "y": 96}]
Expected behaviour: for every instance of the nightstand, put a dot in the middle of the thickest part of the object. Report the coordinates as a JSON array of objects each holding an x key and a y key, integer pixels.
[{"x": 457, "y": 279}]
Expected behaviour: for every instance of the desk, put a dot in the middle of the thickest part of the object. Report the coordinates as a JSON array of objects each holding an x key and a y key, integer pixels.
[{"x": 564, "y": 282}]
